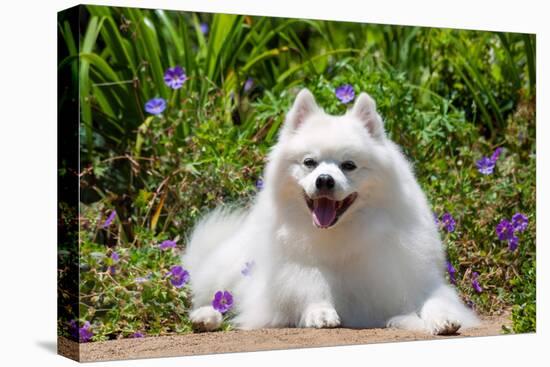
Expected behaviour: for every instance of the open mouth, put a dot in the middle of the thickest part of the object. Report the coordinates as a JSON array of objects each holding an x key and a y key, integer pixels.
[{"x": 326, "y": 211}]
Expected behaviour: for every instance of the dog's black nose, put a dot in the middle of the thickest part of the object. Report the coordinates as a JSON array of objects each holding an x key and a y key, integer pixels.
[{"x": 324, "y": 182}]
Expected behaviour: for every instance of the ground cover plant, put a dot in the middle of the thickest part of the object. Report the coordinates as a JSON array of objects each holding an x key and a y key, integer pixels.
[{"x": 178, "y": 110}]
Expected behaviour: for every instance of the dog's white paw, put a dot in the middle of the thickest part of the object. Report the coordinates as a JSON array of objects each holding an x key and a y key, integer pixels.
[
  {"x": 320, "y": 317},
  {"x": 443, "y": 326},
  {"x": 409, "y": 321},
  {"x": 206, "y": 319}
]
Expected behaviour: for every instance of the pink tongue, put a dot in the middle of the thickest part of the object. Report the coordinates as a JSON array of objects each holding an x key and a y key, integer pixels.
[{"x": 324, "y": 212}]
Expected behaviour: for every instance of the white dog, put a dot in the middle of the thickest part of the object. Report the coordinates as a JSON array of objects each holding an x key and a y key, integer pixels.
[{"x": 341, "y": 235}]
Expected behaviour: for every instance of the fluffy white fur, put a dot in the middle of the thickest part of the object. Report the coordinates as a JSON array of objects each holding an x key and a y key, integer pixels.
[{"x": 380, "y": 265}]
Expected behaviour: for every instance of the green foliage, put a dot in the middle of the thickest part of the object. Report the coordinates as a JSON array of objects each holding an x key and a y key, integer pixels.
[
  {"x": 131, "y": 294},
  {"x": 448, "y": 97},
  {"x": 524, "y": 311},
  {"x": 479, "y": 203}
]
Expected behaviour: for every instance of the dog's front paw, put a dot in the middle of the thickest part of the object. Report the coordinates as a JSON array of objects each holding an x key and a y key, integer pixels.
[
  {"x": 206, "y": 319},
  {"x": 320, "y": 317},
  {"x": 443, "y": 326}
]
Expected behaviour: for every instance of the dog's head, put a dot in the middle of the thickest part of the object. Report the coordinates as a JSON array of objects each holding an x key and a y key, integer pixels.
[{"x": 328, "y": 166}]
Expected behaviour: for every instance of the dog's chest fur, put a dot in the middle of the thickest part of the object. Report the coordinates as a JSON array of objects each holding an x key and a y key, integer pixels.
[{"x": 368, "y": 276}]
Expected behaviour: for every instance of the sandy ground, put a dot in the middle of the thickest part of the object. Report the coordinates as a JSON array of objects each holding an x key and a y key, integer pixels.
[{"x": 254, "y": 340}]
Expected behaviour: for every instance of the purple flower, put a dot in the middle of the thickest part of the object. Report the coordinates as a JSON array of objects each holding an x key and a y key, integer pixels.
[
  {"x": 260, "y": 183},
  {"x": 175, "y": 77},
  {"x": 448, "y": 222},
  {"x": 223, "y": 301},
  {"x": 519, "y": 222},
  {"x": 470, "y": 304},
  {"x": 513, "y": 243},
  {"x": 345, "y": 93},
  {"x": 73, "y": 329},
  {"x": 247, "y": 269},
  {"x": 166, "y": 244},
  {"x": 155, "y": 106},
  {"x": 137, "y": 334},
  {"x": 504, "y": 230},
  {"x": 475, "y": 283},
  {"x": 109, "y": 220},
  {"x": 115, "y": 256},
  {"x": 248, "y": 85},
  {"x": 85, "y": 333},
  {"x": 496, "y": 154},
  {"x": 452, "y": 272},
  {"x": 436, "y": 219},
  {"x": 485, "y": 166},
  {"x": 178, "y": 276},
  {"x": 204, "y": 28}
]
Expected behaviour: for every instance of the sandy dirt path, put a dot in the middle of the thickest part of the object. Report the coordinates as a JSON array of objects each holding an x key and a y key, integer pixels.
[{"x": 254, "y": 340}]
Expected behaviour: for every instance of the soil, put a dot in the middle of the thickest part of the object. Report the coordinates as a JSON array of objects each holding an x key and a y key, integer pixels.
[{"x": 254, "y": 340}]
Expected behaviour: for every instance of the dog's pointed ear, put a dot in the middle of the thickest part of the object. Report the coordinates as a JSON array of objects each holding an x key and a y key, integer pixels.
[
  {"x": 365, "y": 109},
  {"x": 304, "y": 106}
]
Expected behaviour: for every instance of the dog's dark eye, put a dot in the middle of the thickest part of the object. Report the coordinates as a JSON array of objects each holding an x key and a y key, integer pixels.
[
  {"x": 348, "y": 166},
  {"x": 310, "y": 163}
]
